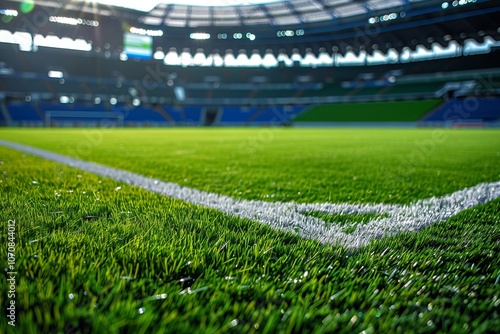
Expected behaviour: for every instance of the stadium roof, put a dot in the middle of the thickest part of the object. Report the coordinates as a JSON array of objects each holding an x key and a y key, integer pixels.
[
  {"x": 148, "y": 5},
  {"x": 220, "y": 13},
  {"x": 336, "y": 26}
]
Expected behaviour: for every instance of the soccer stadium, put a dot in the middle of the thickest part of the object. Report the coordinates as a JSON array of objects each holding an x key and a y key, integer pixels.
[{"x": 298, "y": 166}]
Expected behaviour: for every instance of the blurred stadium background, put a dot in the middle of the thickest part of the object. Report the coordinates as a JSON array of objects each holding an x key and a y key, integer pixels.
[{"x": 168, "y": 63}]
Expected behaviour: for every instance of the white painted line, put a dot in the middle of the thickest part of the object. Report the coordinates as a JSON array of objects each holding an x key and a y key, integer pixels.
[{"x": 290, "y": 216}]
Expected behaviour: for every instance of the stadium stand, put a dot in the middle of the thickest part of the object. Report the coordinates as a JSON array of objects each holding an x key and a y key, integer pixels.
[
  {"x": 192, "y": 115},
  {"x": 466, "y": 110},
  {"x": 141, "y": 116},
  {"x": 24, "y": 114}
]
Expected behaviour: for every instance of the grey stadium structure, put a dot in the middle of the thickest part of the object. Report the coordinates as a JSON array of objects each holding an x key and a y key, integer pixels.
[{"x": 168, "y": 63}]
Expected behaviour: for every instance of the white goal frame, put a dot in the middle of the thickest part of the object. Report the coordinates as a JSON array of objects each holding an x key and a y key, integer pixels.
[{"x": 100, "y": 116}]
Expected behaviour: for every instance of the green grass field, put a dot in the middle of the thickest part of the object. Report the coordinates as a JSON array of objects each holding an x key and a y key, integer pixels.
[
  {"x": 96, "y": 255},
  {"x": 396, "y": 111}
]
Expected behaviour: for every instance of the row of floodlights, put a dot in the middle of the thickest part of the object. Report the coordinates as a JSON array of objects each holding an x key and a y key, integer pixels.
[
  {"x": 64, "y": 99},
  {"x": 68, "y": 99},
  {"x": 236, "y": 35},
  {"x": 204, "y": 36},
  {"x": 456, "y": 3},
  {"x": 290, "y": 33},
  {"x": 146, "y": 32},
  {"x": 248, "y": 35},
  {"x": 394, "y": 16},
  {"x": 56, "y": 19},
  {"x": 9, "y": 12},
  {"x": 55, "y": 74},
  {"x": 385, "y": 17}
]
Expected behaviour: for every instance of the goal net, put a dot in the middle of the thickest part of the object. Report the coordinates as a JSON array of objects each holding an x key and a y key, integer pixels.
[{"x": 58, "y": 118}]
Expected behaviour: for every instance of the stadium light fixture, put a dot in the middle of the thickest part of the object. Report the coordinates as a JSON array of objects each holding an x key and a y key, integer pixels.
[
  {"x": 180, "y": 93},
  {"x": 159, "y": 55},
  {"x": 146, "y": 32},
  {"x": 9, "y": 12},
  {"x": 73, "y": 21},
  {"x": 56, "y": 74}
]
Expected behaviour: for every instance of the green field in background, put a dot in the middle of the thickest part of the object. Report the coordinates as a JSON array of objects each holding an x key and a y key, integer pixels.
[{"x": 398, "y": 111}]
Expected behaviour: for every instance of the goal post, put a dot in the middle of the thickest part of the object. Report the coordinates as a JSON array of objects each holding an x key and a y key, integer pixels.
[{"x": 70, "y": 118}]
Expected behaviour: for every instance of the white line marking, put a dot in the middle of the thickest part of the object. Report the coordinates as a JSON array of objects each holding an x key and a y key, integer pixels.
[{"x": 290, "y": 216}]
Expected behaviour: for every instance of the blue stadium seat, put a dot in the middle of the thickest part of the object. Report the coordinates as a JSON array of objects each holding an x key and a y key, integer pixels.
[
  {"x": 141, "y": 115},
  {"x": 468, "y": 109}
]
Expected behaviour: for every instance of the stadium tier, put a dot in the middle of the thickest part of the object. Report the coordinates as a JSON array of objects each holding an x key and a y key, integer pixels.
[
  {"x": 118, "y": 62},
  {"x": 464, "y": 110}
]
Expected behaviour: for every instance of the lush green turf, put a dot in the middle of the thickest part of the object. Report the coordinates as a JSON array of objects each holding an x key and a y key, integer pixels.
[
  {"x": 399, "y": 111},
  {"x": 302, "y": 165},
  {"x": 94, "y": 254}
]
